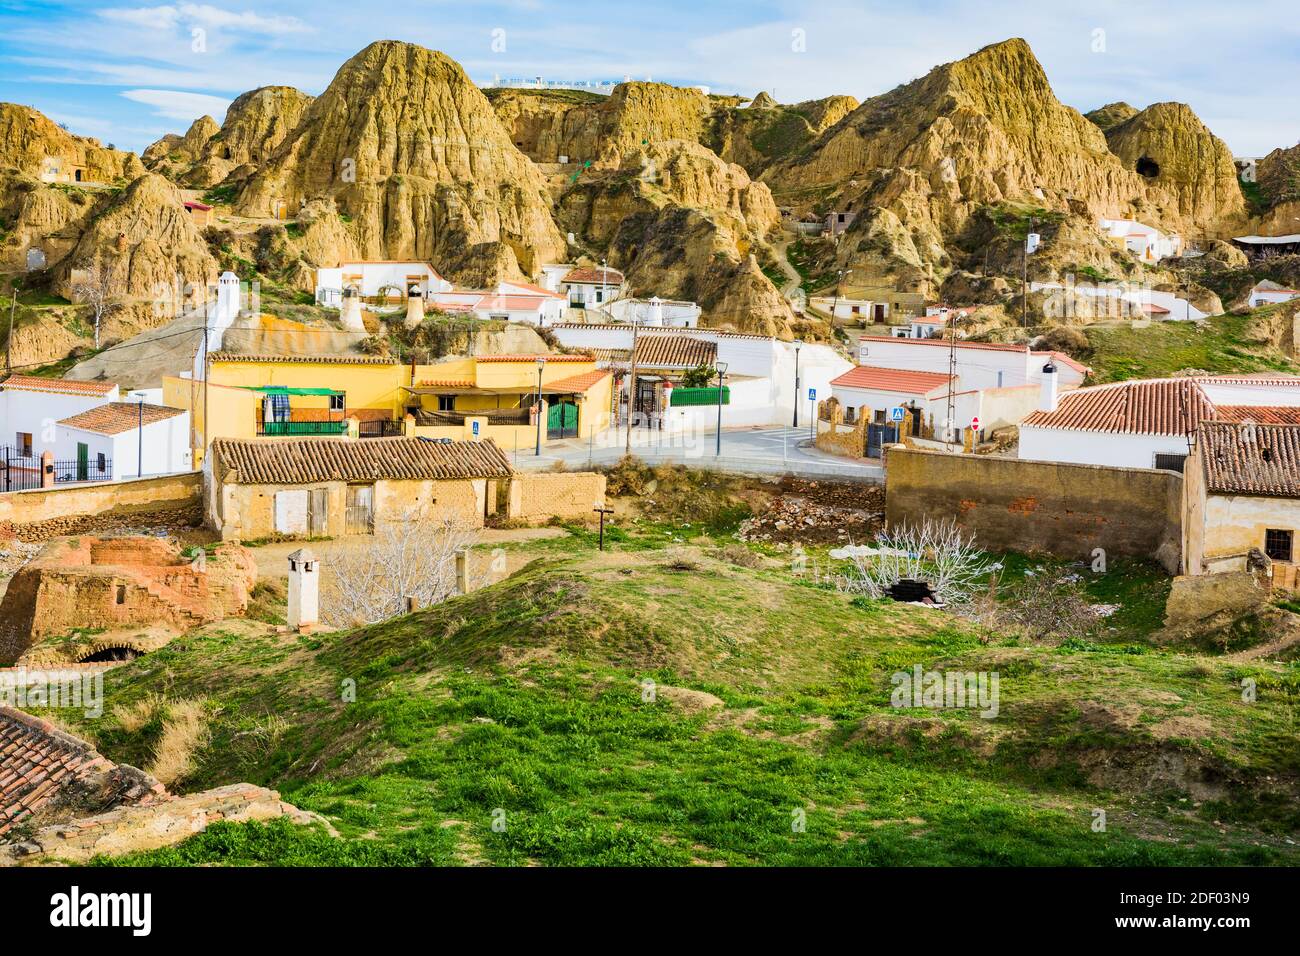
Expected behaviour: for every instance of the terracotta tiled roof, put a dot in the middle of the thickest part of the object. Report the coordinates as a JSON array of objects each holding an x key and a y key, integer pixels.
[
  {"x": 512, "y": 303},
  {"x": 194, "y": 204},
  {"x": 989, "y": 346},
  {"x": 1173, "y": 406},
  {"x": 37, "y": 761},
  {"x": 674, "y": 351},
  {"x": 57, "y": 386},
  {"x": 1244, "y": 459},
  {"x": 611, "y": 355},
  {"x": 575, "y": 383},
  {"x": 890, "y": 380},
  {"x": 594, "y": 276},
  {"x": 114, "y": 418},
  {"x": 535, "y": 289},
  {"x": 448, "y": 383},
  {"x": 281, "y": 462},
  {"x": 304, "y": 359},
  {"x": 1260, "y": 414}
]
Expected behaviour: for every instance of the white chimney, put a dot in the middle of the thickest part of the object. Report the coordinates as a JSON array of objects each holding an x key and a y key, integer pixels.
[
  {"x": 351, "y": 315},
  {"x": 304, "y": 591},
  {"x": 656, "y": 311},
  {"x": 414, "y": 307},
  {"x": 1048, "y": 399}
]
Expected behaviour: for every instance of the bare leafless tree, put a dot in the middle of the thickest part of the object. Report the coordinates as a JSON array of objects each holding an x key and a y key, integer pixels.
[
  {"x": 937, "y": 552},
  {"x": 412, "y": 556},
  {"x": 95, "y": 284}
]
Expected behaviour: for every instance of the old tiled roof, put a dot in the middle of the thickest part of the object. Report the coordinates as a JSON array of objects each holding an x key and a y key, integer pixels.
[
  {"x": 37, "y": 761},
  {"x": 674, "y": 351},
  {"x": 57, "y": 386},
  {"x": 1247, "y": 459},
  {"x": 1260, "y": 414},
  {"x": 890, "y": 380},
  {"x": 1173, "y": 406},
  {"x": 575, "y": 383},
  {"x": 611, "y": 355},
  {"x": 280, "y": 462},
  {"x": 595, "y": 276},
  {"x": 224, "y": 356},
  {"x": 114, "y": 418}
]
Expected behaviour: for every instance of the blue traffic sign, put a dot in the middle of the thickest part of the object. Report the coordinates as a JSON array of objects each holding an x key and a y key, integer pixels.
[
  {"x": 897, "y": 413},
  {"x": 812, "y": 394}
]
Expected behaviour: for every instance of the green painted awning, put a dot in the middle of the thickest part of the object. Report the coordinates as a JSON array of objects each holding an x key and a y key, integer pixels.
[{"x": 286, "y": 390}]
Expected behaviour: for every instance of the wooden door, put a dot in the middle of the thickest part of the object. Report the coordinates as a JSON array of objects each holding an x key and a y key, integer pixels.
[
  {"x": 361, "y": 509},
  {"x": 318, "y": 509}
]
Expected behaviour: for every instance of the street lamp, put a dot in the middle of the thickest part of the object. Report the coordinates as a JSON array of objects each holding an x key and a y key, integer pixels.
[
  {"x": 721, "y": 368},
  {"x": 541, "y": 364},
  {"x": 798, "y": 343}
]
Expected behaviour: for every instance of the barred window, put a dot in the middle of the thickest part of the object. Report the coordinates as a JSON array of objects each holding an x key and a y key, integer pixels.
[{"x": 1278, "y": 544}]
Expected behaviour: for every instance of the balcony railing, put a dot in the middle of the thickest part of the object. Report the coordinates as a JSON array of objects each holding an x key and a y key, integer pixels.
[{"x": 301, "y": 429}]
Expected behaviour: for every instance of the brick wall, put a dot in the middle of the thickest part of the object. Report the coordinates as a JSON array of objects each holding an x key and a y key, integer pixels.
[
  {"x": 540, "y": 497},
  {"x": 1066, "y": 510},
  {"x": 39, "y": 514}
]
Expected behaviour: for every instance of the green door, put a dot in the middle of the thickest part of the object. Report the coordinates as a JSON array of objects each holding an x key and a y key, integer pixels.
[
  {"x": 83, "y": 461},
  {"x": 562, "y": 420}
]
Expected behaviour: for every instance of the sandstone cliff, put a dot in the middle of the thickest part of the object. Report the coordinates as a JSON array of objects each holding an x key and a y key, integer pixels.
[
  {"x": 916, "y": 163},
  {"x": 1168, "y": 145},
  {"x": 28, "y": 140},
  {"x": 1112, "y": 114},
  {"x": 146, "y": 240},
  {"x": 408, "y": 147}
]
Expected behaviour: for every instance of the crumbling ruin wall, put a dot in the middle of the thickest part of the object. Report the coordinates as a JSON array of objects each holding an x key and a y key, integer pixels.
[
  {"x": 564, "y": 495},
  {"x": 42, "y": 514},
  {"x": 120, "y": 582}
]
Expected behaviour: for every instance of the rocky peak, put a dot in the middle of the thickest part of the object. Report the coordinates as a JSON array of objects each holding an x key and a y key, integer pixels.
[
  {"x": 1170, "y": 147},
  {"x": 409, "y": 147},
  {"x": 29, "y": 139},
  {"x": 1112, "y": 114}
]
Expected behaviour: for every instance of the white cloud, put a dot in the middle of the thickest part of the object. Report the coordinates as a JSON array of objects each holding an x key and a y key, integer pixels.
[
  {"x": 168, "y": 17},
  {"x": 176, "y": 104}
]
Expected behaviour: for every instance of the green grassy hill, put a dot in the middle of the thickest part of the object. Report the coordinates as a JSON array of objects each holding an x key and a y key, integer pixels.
[
  {"x": 525, "y": 704},
  {"x": 1222, "y": 344}
]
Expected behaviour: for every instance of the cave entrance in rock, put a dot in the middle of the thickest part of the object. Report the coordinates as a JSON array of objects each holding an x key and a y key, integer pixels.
[
  {"x": 110, "y": 655},
  {"x": 1148, "y": 167}
]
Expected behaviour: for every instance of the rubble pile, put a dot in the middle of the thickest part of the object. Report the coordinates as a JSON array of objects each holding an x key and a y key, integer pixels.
[{"x": 817, "y": 512}]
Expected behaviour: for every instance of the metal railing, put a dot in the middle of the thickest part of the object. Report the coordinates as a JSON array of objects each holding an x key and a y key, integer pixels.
[
  {"x": 23, "y": 472},
  {"x": 380, "y": 428},
  {"x": 300, "y": 429},
  {"x": 494, "y": 416}
]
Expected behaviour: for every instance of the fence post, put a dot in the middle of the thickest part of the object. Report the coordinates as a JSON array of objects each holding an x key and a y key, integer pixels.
[{"x": 47, "y": 469}]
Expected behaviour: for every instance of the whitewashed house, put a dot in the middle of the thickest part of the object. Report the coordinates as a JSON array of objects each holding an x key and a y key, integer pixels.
[
  {"x": 508, "y": 302},
  {"x": 373, "y": 278},
  {"x": 119, "y": 440},
  {"x": 588, "y": 287},
  {"x": 1114, "y": 300},
  {"x": 872, "y": 393},
  {"x": 1146, "y": 242},
  {"x": 1149, "y": 423},
  {"x": 760, "y": 371},
  {"x": 654, "y": 312},
  {"x": 31, "y": 407},
  {"x": 1268, "y": 293}
]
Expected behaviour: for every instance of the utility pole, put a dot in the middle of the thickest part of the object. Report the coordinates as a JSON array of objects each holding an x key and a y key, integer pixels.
[
  {"x": 139, "y": 461},
  {"x": 952, "y": 378},
  {"x": 797, "y": 344},
  {"x": 541, "y": 364},
  {"x": 722, "y": 371},
  {"x": 206, "y": 373},
  {"x": 1024, "y": 283}
]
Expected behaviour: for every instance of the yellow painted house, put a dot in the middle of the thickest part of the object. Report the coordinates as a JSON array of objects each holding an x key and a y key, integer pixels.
[{"x": 270, "y": 396}]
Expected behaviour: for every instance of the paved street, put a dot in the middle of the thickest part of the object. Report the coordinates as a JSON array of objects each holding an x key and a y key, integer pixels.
[{"x": 764, "y": 451}]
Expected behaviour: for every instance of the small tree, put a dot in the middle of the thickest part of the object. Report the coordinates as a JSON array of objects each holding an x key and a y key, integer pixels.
[
  {"x": 937, "y": 552},
  {"x": 95, "y": 284},
  {"x": 412, "y": 556},
  {"x": 699, "y": 377}
]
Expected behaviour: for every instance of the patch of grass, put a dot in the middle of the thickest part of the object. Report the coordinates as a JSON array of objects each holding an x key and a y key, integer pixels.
[{"x": 1219, "y": 345}]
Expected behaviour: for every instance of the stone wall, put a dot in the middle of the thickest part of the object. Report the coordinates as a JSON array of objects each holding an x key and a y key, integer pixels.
[
  {"x": 566, "y": 495},
  {"x": 1061, "y": 509},
  {"x": 172, "y": 500},
  {"x": 150, "y": 826}
]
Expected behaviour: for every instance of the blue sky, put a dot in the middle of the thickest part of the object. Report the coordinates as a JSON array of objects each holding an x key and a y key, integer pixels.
[{"x": 129, "y": 72}]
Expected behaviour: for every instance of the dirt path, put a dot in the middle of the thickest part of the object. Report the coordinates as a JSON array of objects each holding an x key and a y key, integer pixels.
[{"x": 794, "y": 285}]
